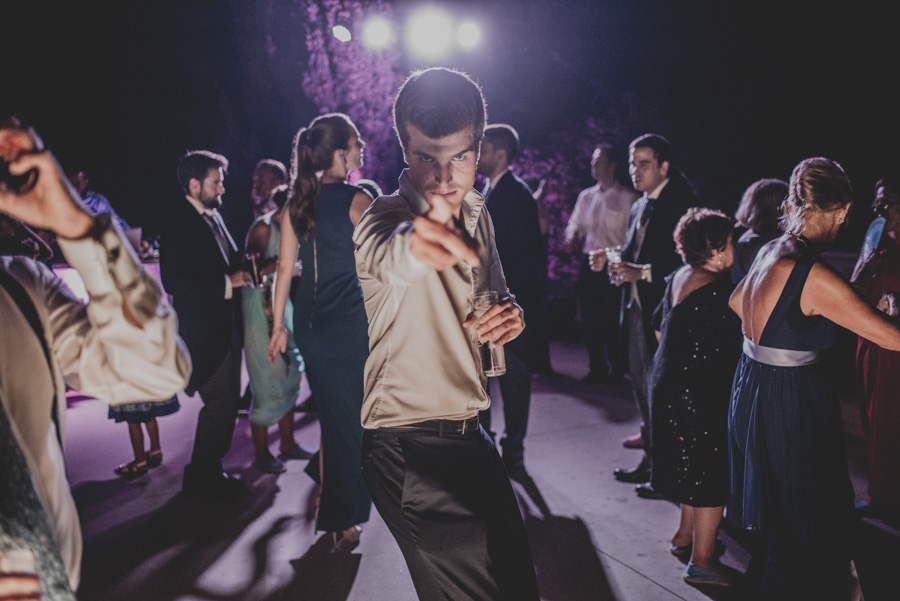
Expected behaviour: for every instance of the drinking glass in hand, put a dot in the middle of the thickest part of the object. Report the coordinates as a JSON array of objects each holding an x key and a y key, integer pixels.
[
  {"x": 493, "y": 359},
  {"x": 613, "y": 256}
]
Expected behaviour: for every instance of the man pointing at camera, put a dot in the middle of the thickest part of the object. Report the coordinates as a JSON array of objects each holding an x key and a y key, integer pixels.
[{"x": 435, "y": 476}]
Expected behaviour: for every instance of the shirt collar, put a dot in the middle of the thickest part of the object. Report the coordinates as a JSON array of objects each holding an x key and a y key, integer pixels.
[
  {"x": 492, "y": 183},
  {"x": 655, "y": 194},
  {"x": 469, "y": 211},
  {"x": 199, "y": 206}
]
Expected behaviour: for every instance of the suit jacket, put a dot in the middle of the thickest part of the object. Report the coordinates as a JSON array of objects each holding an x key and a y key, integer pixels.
[
  {"x": 520, "y": 245},
  {"x": 193, "y": 271},
  {"x": 657, "y": 247}
]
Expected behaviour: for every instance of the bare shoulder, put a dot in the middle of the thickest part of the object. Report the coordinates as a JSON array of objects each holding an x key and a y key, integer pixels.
[
  {"x": 361, "y": 201},
  {"x": 775, "y": 260},
  {"x": 823, "y": 277},
  {"x": 258, "y": 236},
  {"x": 362, "y": 197},
  {"x": 260, "y": 225}
]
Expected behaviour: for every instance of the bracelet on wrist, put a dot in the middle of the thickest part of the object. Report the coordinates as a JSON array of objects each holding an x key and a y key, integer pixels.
[{"x": 645, "y": 272}]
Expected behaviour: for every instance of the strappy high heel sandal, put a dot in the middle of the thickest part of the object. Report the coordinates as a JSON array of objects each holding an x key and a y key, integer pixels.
[
  {"x": 132, "y": 470},
  {"x": 154, "y": 458}
]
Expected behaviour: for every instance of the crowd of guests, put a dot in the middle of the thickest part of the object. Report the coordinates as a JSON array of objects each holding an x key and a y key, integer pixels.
[
  {"x": 288, "y": 298},
  {"x": 718, "y": 324},
  {"x": 740, "y": 416}
]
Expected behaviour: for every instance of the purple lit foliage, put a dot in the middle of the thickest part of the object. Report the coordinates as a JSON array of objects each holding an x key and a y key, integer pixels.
[{"x": 352, "y": 79}]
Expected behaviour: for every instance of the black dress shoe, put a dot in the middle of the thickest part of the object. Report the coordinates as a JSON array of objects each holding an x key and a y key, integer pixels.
[
  {"x": 616, "y": 377},
  {"x": 216, "y": 487},
  {"x": 594, "y": 378},
  {"x": 639, "y": 474},
  {"x": 646, "y": 491}
]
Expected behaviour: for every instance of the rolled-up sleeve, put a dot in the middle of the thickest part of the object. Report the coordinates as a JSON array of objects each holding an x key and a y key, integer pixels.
[{"x": 100, "y": 352}]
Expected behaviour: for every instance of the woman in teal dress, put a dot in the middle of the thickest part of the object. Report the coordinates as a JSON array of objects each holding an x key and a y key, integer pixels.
[
  {"x": 330, "y": 324},
  {"x": 275, "y": 387}
]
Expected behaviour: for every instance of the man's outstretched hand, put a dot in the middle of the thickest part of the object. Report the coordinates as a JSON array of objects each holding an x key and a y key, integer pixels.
[{"x": 438, "y": 242}]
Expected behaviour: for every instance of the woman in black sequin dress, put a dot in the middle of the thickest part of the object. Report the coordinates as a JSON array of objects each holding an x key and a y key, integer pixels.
[{"x": 690, "y": 385}]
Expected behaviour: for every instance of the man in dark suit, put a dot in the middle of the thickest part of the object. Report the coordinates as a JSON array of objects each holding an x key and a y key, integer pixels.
[
  {"x": 201, "y": 268},
  {"x": 647, "y": 258},
  {"x": 520, "y": 247}
]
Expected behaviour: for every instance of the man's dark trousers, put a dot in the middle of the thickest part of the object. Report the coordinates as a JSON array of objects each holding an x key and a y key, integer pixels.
[
  {"x": 515, "y": 388},
  {"x": 221, "y": 395},
  {"x": 446, "y": 498},
  {"x": 600, "y": 303}
]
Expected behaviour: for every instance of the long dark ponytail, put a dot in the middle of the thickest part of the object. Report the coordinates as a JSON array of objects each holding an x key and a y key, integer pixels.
[{"x": 314, "y": 148}]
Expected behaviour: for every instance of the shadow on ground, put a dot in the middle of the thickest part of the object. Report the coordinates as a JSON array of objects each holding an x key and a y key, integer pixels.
[
  {"x": 163, "y": 555},
  {"x": 321, "y": 575},
  {"x": 565, "y": 557}
]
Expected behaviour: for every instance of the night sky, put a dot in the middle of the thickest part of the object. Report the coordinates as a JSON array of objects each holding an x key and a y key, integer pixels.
[{"x": 743, "y": 90}]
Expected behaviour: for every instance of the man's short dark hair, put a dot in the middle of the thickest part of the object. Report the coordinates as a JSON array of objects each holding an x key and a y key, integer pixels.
[
  {"x": 196, "y": 164},
  {"x": 274, "y": 167},
  {"x": 603, "y": 146},
  {"x": 439, "y": 102},
  {"x": 504, "y": 136},
  {"x": 660, "y": 146}
]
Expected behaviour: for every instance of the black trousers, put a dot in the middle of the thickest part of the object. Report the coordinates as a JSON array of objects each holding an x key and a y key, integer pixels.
[
  {"x": 640, "y": 359},
  {"x": 600, "y": 303},
  {"x": 515, "y": 388},
  {"x": 221, "y": 395},
  {"x": 448, "y": 502}
]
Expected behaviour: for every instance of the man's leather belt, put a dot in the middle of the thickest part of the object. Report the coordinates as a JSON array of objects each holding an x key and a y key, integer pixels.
[{"x": 443, "y": 426}]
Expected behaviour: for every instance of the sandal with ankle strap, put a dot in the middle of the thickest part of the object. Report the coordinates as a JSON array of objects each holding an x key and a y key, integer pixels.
[
  {"x": 154, "y": 458},
  {"x": 132, "y": 469}
]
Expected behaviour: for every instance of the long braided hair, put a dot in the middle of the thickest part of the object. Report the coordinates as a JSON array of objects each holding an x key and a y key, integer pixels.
[{"x": 313, "y": 153}]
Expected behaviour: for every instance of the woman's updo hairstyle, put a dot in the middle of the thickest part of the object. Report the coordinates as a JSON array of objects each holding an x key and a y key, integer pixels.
[
  {"x": 699, "y": 232},
  {"x": 817, "y": 185},
  {"x": 760, "y": 207},
  {"x": 313, "y": 153}
]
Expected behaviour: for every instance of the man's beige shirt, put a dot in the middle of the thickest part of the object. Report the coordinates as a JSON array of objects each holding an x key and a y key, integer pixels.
[
  {"x": 94, "y": 349},
  {"x": 422, "y": 363}
]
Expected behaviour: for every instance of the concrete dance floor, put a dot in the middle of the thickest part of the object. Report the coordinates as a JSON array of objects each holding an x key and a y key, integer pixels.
[{"x": 592, "y": 538}]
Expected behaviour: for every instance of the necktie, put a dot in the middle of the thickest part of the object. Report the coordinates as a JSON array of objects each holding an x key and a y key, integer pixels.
[
  {"x": 487, "y": 192},
  {"x": 221, "y": 236},
  {"x": 648, "y": 209}
]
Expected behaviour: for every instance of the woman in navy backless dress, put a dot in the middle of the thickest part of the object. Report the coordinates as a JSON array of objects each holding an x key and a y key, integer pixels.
[
  {"x": 330, "y": 324},
  {"x": 789, "y": 478}
]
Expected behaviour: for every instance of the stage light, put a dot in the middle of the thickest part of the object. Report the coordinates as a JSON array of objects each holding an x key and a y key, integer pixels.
[
  {"x": 429, "y": 33},
  {"x": 468, "y": 35},
  {"x": 341, "y": 33},
  {"x": 377, "y": 33}
]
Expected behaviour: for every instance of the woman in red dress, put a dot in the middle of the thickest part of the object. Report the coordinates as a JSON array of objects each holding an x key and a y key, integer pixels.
[{"x": 878, "y": 371}]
